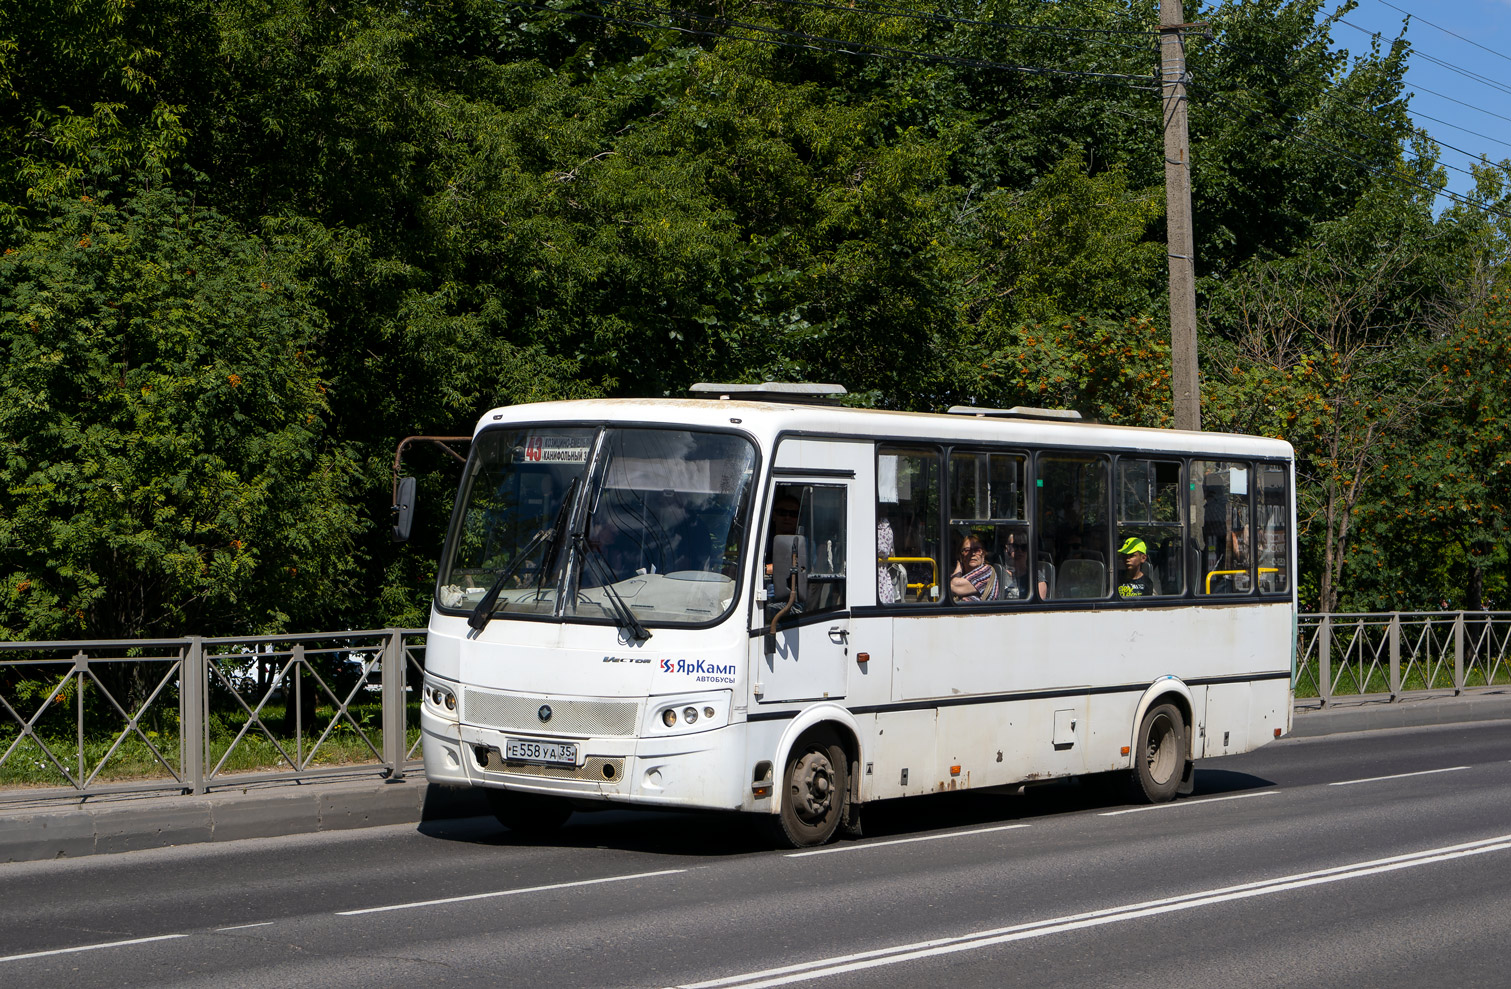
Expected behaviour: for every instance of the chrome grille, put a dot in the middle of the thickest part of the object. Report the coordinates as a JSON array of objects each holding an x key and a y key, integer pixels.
[
  {"x": 595, "y": 769},
  {"x": 515, "y": 712}
]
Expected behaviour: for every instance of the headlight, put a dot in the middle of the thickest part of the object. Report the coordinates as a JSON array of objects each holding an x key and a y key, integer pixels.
[
  {"x": 440, "y": 699},
  {"x": 684, "y": 714}
]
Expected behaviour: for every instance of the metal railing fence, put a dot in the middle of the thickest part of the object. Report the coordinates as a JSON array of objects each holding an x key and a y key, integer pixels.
[
  {"x": 1340, "y": 656},
  {"x": 195, "y": 713}
]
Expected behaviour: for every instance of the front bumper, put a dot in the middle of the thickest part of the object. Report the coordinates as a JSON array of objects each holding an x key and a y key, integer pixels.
[{"x": 706, "y": 769}]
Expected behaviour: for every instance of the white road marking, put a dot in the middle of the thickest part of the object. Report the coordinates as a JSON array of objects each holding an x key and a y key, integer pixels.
[
  {"x": 841, "y": 964},
  {"x": 507, "y": 892},
  {"x": 1398, "y": 776},
  {"x": 242, "y": 927},
  {"x": 1188, "y": 803},
  {"x": 903, "y": 841},
  {"x": 90, "y": 947}
]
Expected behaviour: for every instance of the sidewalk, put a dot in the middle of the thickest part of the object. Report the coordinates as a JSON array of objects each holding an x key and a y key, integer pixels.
[{"x": 50, "y": 828}]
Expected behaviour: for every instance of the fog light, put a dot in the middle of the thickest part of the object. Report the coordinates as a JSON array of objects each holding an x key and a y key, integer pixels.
[
  {"x": 669, "y": 717},
  {"x": 690, "y": 714},
  {"x": 708, "y": 712}
]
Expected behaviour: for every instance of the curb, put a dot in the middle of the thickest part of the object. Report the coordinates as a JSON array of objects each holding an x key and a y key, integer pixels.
[
  {"x": 1311, "y": 720},
  {"x": 46, "y": 829},
  {"x": 101, "y": 825}
]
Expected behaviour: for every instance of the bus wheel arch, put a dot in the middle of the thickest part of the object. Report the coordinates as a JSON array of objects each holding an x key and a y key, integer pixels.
[
  {"x": 817, "y": 785},
  {"x": 1162, "y": 743}
]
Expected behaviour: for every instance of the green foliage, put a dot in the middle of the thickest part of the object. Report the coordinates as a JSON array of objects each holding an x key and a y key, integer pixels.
[
  {"x": 382, "y": 218},
  {"x": 1445, "y": 496},
  {"x": 166, "y": 463}
]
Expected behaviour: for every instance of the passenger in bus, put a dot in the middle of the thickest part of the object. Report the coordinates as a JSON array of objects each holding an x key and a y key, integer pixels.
[
  {"x": 974, "y": 580},
  {"x": 616, "y": 552},
  {"x": 889, "y": 587},
  {"x": 1136, "y": 582},
  {"x": 1018, "y": 574},
  {"x": 784, "y": 514}
]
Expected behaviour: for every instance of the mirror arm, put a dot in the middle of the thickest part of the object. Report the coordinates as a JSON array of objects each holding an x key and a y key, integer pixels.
[
  {"x": 770, "y": 638},
  {"x": 440, "y": 441}
]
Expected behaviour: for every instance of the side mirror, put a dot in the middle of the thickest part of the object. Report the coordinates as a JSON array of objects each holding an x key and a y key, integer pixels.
[
  {"x": 783, "y": 574},
  {"x": 403, "y": 509}
]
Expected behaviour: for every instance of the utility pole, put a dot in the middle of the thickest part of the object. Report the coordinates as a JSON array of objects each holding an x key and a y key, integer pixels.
[{"x": 1184, "y": 381}]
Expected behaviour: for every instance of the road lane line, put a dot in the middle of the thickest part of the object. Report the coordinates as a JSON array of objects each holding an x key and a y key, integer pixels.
[
  {"x": 90, "y": 947},
  {"x": 1398, "y": 776},
  {"x": 1187, "y": 803},
  {"x": 903, "y": 841},
  {"x": 842, "y": 964},
  {"x": 242, "y": 927},
  {"x": 507, "y": 892}
]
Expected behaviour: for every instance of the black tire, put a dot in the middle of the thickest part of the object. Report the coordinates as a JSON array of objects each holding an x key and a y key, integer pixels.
[
  {"x": 533, "y": 815},
  {"x": 1159, "y": 755},
  {"x": 815, "y": 791}
]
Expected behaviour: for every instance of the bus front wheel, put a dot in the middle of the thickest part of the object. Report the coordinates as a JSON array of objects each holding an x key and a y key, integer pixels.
[
  {"x": 533, "y": 815},
  {"x": 1159, "y": 760},
  {"x": 815, "y": 791}
]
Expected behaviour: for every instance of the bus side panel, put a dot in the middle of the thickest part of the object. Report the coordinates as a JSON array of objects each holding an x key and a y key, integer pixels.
[
  {"x": 1110, "y": 717},
  {"x": 1227, "y": 721},
  {"x": 902, "y": 755},
  {"x": 1269, "y": 710}
]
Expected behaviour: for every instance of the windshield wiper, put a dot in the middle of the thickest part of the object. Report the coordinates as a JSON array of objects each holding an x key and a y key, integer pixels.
[
  {"x": 627, "y": 619},
  {"x": 483, "y": 613}
]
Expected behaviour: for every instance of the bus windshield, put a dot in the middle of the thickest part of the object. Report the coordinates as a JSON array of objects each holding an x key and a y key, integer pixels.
[{"x": 580, "y": 521}]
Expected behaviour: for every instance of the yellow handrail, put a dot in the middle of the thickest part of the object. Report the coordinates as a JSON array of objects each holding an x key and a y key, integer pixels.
[
  {"x": 933, "y": 569},
  {"x": 1229, "y": 573}
]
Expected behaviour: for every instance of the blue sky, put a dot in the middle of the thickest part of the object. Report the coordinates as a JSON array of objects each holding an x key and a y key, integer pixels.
[{"x": 1479, "y": 128}]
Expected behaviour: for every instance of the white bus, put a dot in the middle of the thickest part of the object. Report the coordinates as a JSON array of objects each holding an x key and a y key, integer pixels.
[{"x": 760, "y": 601}]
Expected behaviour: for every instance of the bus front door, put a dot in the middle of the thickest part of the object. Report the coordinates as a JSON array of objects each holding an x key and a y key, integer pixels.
[{"x": 812, "y": 496}]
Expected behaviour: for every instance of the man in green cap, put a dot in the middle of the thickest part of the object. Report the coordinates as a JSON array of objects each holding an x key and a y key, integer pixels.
[{"x": 1136, "y": 583}]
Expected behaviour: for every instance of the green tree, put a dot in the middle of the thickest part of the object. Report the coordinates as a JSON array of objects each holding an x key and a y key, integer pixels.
[{"x": 165, "y": 458}]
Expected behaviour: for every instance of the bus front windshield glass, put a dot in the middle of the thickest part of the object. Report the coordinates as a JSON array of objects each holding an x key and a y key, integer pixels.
[{"x": 577, "y": 522}]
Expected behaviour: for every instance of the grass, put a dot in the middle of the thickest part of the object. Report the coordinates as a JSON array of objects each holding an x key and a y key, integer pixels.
[
  {"x": 1360, "y": 680},
  {"x": 133, "y": 760}
]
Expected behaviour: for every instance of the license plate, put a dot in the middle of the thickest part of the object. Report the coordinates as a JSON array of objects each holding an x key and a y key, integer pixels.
[{"x": 540, "y": 751}]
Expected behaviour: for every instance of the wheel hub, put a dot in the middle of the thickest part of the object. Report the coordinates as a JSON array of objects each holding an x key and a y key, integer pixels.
[{"x": 812, "y": 786}]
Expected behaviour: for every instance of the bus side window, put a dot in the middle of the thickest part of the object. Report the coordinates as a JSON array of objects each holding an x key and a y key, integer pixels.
[
  {"x": 1148, "y": 506},
  {"x": 1271, "y": 530},
  {"x": 1072, "y": 524},
  {"x": 908, "y": 502},
  {"x": 987, "y": 505},
  {"x": 817, "y": 513},
  {"x": 1220, "y": 527}
]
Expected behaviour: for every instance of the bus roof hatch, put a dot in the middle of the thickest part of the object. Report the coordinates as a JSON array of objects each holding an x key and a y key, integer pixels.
[
  {"x": 802, "y": 392},
  {"x": 1017, "y": 412}
]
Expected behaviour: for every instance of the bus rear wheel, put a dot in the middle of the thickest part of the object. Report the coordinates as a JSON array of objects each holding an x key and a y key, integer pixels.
[
  {"x": 815, "y": 791},
  {"x": 1159, "y": 760},
  {"x": 533, "y": 815}
]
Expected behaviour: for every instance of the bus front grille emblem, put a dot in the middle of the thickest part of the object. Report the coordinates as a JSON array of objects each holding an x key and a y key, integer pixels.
[{"x": 544, "y": 713}]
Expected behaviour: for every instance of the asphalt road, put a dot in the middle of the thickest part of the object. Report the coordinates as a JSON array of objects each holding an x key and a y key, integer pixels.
[{"x": 1315, "y": 862}]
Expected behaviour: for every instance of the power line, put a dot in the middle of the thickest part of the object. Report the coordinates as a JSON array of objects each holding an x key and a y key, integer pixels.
[
  {"x": 889, "y": 10},
  {"x": 1483, "y": 80},
  {"x": 1450, "y": 99},
  {"x": 804, "y": 41},
  {"x": 1466, "y": 130},
  {"x": 1329, "y": 97},
  {"x": 1486, "y": 81},
  {"x": 886, "y": 10},
  {"x": 1328, "y": 146},
  {"x": 1445, "y": 30}
]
